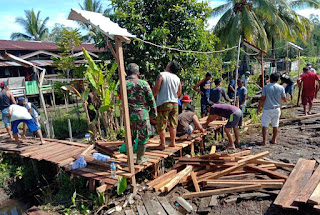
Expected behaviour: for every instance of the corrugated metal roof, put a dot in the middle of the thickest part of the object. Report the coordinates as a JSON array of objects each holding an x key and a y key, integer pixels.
[
  {"x": 99, "y": 21},
  {"x": 38, "y": 45}
]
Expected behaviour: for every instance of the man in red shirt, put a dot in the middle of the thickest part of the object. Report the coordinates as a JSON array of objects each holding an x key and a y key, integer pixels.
[{"x": 308, "y": 79}]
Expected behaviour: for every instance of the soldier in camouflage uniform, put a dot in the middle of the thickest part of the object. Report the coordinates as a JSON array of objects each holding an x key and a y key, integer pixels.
[{"x": 140, "y": 101}]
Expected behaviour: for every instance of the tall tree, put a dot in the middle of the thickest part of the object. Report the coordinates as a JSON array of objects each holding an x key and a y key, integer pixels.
[
  {"x": 178, "y": 24},
  {"x": 92, "y": 5},
  {"x": 35, "y": 28}
]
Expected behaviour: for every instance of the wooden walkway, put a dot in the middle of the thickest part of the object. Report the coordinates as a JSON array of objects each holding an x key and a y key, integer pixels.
[{"x": 63, "y": 154}]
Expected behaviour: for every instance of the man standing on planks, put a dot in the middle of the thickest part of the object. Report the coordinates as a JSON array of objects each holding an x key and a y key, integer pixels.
[
  {"x": 234, "y": 116},
  {"x": 205, "y": 87},
  {"x": 6, "y": 99},
  {"x": 140, "y": 102},
  {"x": 270, "y": 100},
  {"x": 167, "y": 90},
  {"x": 309, "y": 89}
]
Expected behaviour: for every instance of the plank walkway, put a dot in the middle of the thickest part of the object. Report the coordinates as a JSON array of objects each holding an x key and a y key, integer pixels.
[{"x": 63, "y": 154}]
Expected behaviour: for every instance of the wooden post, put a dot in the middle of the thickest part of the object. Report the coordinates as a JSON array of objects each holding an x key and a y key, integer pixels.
[
  {"x": 53, "y": 97},
  {"x": 51, "y": 127},
  {"x": 262, "y": 72},
  {"x": 298, "y": 63},
  {"x": 124, "y": 99},
  {"x": 66, "y": 100},
  {"x": 70, "y": 130},
  {"x": 40, "y": 81}
]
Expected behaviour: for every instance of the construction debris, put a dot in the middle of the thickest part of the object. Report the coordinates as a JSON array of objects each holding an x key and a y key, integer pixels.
[{"x": 215, "y": 174}]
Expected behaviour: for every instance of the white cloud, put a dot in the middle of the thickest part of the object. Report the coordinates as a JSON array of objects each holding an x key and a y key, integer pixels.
[
  {"x": 8, "y": 26},
  {"x": 61, "y": 18},
  {"x": 213, "y": 21},
  {"x": 308, "y": 11}
]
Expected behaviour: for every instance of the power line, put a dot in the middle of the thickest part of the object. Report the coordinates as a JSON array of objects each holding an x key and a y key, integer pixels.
[{"x": 186, "y": 51}]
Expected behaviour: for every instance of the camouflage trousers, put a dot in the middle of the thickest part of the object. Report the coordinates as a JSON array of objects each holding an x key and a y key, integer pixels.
[{"x": 140, "y": 126}]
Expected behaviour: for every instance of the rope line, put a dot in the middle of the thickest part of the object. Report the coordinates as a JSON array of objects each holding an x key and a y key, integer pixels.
[{"x": 186, "y": 51}]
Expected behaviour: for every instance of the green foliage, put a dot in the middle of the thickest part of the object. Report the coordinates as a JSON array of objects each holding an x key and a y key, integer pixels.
[
  {"x": 122, "y": 185},
  {"x": 179, "y": 24},
  {"x": 61, "y": 127},
  {"x": 35, "y": 28},
  {"x": 69, "y": 39}
]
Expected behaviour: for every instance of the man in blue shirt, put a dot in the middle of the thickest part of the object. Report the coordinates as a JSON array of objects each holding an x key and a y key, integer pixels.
[
  {"x": 270, "y": 100},
  {"x": 205, "y": 87},
  {"x": 242, "y": 95}
]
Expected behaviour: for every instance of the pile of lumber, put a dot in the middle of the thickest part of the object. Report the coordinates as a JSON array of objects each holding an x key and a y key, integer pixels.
[
  {"x": 216, "y": 174},
  {"x": 302, "y": 187}
]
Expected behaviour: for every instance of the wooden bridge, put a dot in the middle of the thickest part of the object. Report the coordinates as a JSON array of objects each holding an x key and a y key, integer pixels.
[{"x": 64, "y": 153}]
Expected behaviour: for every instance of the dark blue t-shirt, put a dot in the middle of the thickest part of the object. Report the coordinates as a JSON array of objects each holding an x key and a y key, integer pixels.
[
  {"x": 205, "y": 87},
  {"x": 230, "y": 92}
]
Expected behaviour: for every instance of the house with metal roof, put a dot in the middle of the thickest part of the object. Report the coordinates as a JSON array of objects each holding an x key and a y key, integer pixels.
[{"x": 23, "y": 79}]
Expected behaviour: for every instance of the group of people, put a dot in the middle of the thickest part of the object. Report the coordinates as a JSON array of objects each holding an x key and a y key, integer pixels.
[
  {"x": 163, "y": 112},
  {"x": 14, "y": 113}
]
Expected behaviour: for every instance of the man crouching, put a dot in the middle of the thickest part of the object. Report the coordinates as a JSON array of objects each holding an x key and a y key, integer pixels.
[{"x": 18, "y": 114}]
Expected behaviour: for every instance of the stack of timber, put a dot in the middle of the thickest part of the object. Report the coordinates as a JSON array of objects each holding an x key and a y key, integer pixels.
[
  {"x": 302, "y": 187},
  {"x": 216, "y": 174}
]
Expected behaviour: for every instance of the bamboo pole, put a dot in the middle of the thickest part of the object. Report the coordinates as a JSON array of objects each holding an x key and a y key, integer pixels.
[
  {"x": 262, "y": 72},
  {"x": 237, "y": 68}
]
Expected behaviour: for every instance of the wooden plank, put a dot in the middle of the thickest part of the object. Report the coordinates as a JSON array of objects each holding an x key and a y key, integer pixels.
[
  {"x": 66, "y": 155},
  {"x": 141, "y": 210},
  {"x": 195, "y": 181},
  {"x": 110, "y": 143},
  {"x": 162, "y": 177},
  {"x": 88, "y": 149},
  {"x": 166, "y": 205},
  {"x": 276, "y": 163},
  {"x": 273, "y": 174},
  {"x": 221, "y": 191},
  {"x": 160, "y": 186},
  {"x": 233, "y": 183},
  {"x": 152, "y": 206},
  {"x": 41, "y": 149},
  {"x": 213, "y": 150},
  {"x": 310, "y": 186},
  {"x": 297, "y": 179},
  {"x": 315, "y": 196},
  {"x": 129, "y": 212},
  {"x": 177, "y": 178},
  {"x": 254, "y": 157},
  {"x": 220, "y": 173}
]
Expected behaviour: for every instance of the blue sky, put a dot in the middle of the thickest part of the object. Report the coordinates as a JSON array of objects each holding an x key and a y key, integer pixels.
[{"x": 58, "y": 10}]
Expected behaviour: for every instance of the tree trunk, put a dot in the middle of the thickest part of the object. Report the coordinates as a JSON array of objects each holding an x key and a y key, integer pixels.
[{"x": 273, "y": 53}]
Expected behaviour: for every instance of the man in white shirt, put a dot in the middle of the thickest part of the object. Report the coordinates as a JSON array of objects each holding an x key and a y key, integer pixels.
[
  {"x": 167, "y": 90},
  {"x": 18, "y": 114}
]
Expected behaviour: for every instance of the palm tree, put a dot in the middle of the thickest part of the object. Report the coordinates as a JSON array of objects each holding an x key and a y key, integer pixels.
[
  {"x": 241, "y": 18},
  {"x": 92, "y": 5},
  {"x": 35, "y": 28},
  {"x": 261, "y": 21}
]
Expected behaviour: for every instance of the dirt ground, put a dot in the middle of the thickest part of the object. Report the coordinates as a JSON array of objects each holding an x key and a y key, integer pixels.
[{"x": 297, "y": 139}]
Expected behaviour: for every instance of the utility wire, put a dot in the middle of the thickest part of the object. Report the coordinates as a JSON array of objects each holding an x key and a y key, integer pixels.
[{"x": 186, "y": 51}]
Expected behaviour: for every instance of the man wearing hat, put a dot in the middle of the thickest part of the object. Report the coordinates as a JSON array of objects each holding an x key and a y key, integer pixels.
[
  {"x": 32, "y": 109},
  {"x": 246, "y": 79},
  {"x": 141, "y": 102},
  {"x": 183, "y": 102},
  {"x": 205, "y": 87},
  {"x": 6, "y": 99}
]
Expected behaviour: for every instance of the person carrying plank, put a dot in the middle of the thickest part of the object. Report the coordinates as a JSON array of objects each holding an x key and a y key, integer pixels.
[
  {"x": 142, "y": 106},
  {"x": 285, "y": 79},
  {"x": 309, "y": 89},
  {"x": 18, "y": 114},
  {"x": 188, "y": 122},
  {"x": 234, "y": 116},
  {"x": 270, "y": 100},
  {"x": 205, "y": 87},
  {"x": 167, "y": 89}
]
